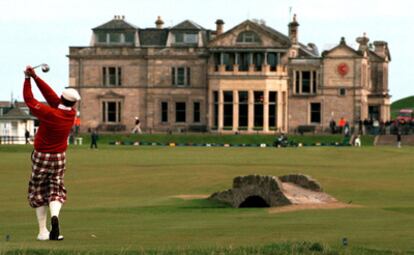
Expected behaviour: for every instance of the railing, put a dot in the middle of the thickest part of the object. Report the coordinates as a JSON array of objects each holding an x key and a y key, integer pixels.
[
  {"x": 13, "y": 139},
  {"x": 252, "y": 69}
]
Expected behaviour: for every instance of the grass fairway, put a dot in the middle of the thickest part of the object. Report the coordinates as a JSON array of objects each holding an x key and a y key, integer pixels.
[{"x": 121, "y": 198}]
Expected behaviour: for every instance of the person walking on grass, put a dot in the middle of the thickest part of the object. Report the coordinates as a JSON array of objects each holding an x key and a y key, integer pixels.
[
  {"x": 46, "y": 185},
  {"x": 94, "y": 139},
  {"x": 137, "y": 127},
  {"x": 399, "y": 139}
]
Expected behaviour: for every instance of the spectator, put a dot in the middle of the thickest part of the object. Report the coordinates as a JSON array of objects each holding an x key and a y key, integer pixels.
[
  {"x": 347, "y": 131},
  {"x": 27, "y": 136},
  {"x": 375, "y": 126},
  {"x": 137, "y": 128},
  {"x": 360, "y": 127},
  {"x": 399, "y": 139},
  {"x": 366, "y": 126},
  {"x": 94, "y": 139},
  {"x": 332, "y": 126},
  {"x": 341, "y": 124}
]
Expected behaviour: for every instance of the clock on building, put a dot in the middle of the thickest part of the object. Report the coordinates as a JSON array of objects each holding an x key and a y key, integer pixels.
[{"x": 342, "y": 69}]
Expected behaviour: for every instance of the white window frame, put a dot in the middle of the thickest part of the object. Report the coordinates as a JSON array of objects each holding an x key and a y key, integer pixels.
[
  {"x": 106, "y": 77},
  {"x": 105, "y": 113}
]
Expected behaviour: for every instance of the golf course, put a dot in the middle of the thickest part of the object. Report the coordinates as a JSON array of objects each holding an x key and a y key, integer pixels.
[{"x": 149, "y": 200}]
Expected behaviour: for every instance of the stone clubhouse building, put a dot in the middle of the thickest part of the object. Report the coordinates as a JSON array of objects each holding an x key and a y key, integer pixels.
[{"x": 248, "y": 79}]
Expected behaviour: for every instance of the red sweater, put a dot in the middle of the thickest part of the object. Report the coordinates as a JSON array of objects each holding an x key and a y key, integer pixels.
[{"x": 56, "y": 120}]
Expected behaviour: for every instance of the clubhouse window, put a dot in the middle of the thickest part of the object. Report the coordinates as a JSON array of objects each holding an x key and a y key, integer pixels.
[
  {"x": 115, "y": 38},
  {"x": 111, "y": 111},
  {"x": 111, "y": 76},
  {"x": 228, "y": 108},
  {"x": 181, "y": 76},
  {"x": 248, "y": 37},
  {"x": 243, "y": 109},
  {"x": 185, "y": 38},
  {"x": 272, "y": 109},
  {"x": 196, "y": 112},
  {"x": 258, "y": 109},
  {"x": 164, "y": 111},
  {"x": 180, "y": 112},
  {"x": 315, "y": 113},
  {"x": 305, "y": 82}
]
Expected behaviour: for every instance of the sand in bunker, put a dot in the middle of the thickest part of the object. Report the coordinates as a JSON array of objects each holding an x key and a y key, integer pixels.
[
  {"x": 191, "y": 196},
  {"x": 305, "y": 199}
]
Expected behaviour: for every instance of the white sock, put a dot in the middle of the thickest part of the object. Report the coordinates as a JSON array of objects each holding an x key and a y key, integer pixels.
[
  {"x": 41, "y": 213},
  {"x": 55, "y": 208}
]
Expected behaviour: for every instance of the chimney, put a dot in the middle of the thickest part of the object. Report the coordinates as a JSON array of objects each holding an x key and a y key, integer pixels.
[
  {"x": 293, "y": 31},
  {"x": 363, "y": 42},
  {"x": 219, "y": 26},
  {"x": 381, "y": 48},
  {"x": 159, "y": 23}
]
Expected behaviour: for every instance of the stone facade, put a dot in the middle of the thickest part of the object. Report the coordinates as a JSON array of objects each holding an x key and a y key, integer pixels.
[{"x": 248, "y": 79}]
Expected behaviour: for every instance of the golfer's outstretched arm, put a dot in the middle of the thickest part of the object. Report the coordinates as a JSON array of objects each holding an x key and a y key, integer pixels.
[
  {"x": 38, "y": 109},
  {"x": 51, "y": 98}
]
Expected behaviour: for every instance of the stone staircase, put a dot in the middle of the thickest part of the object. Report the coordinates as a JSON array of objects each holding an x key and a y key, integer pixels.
[{"x": 392, "y": 140}]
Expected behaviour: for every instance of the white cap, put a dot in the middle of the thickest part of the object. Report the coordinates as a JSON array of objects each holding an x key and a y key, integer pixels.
[{"x": 71, "y": 95}]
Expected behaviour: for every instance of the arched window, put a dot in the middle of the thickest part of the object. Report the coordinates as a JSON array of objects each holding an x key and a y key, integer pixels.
[{"x": 248, "y": 37}]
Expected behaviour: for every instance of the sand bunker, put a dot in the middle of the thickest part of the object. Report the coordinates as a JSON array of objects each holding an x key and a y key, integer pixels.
[
  {"x": 305, "y": 199},
  {"x": 191, "y": 196}
]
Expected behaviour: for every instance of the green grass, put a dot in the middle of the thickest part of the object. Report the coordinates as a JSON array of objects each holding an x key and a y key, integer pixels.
[
  {"x": 404, "y": 103},
  {"x": 121, "y": 201}
]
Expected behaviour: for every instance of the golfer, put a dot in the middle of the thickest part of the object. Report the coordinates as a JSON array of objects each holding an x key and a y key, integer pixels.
[{"x": 46, "y": 187}]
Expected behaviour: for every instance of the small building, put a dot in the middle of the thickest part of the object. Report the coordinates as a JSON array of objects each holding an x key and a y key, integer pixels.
[{"x": 14, "y": 121}]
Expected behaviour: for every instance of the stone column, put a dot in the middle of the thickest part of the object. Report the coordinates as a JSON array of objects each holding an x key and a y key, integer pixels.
[
  {"x": 266, "y": 111},
  {"x": 250, "y": 121},
  {"x": 311, "y": 82},
  {"x": 279, "y": 124},
  {"x": 285, "y": 112},
  {"x": 220, "y": 111},
  {"x": 210, "y": 111},
  {"x": 251, "y": 64},
  {"x": 265, "y": 66},
  {"x": 235, "y": 110}
]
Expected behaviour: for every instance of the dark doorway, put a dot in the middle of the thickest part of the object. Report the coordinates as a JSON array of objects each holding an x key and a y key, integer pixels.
[
  {"x": 254, "y": 201},
  {"x": 374, "y": 112}
]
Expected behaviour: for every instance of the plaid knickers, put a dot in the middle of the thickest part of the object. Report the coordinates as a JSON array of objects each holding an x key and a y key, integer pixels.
[{"x": 46, "y": 182}]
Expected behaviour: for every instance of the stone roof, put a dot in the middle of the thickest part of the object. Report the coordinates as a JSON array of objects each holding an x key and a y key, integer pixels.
[
  {"x": 274, "y": 32},
  {"x": 115, "y": 24},
  {"x": 16, "y": 113},
  {"x": 187, "y": 25},
  {"x": 342, "y": 44},
  {"x": 153, "y": 37}
]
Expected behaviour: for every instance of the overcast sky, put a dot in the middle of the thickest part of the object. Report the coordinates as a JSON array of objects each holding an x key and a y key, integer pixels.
[{"x": 37, "y": 31}]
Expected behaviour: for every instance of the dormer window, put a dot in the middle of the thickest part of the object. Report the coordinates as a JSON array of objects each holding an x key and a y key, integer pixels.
[
  {"x": 115, "y": 37},
  {"x": 248, "y": 37},
  {"x": 185, "y": 38}
]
